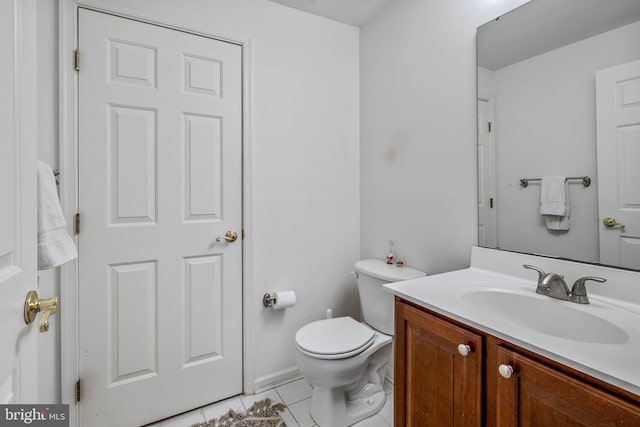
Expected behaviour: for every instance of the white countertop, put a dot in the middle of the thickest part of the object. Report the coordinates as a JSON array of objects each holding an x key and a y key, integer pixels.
[{"x": 616, "y": 362}]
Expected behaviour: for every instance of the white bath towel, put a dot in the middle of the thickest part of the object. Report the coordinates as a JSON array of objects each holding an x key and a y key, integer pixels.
[
  {"x": 55, "y": 246},
  {"x": 554, "y": 202}
]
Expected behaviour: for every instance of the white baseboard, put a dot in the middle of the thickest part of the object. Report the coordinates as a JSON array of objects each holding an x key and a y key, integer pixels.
[
  {"x": 292, "y": 373},
  {"x": 274, "y": 379}
]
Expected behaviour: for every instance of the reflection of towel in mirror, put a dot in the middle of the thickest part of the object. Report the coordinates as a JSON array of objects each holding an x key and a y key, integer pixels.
[
  {"x": 55, "y": 246},
  {"x": 554, "y": 202}
]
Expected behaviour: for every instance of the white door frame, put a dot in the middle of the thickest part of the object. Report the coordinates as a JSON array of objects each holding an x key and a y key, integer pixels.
[
  {"x": 68, "y": 105},
  {"x": 490, "y": 99}
]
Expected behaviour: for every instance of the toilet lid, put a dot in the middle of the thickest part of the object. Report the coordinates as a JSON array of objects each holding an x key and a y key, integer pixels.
[{"x": 335, "y": 338}]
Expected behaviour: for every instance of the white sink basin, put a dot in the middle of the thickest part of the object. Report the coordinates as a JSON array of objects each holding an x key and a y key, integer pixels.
[{"x": 545, "y": 315}]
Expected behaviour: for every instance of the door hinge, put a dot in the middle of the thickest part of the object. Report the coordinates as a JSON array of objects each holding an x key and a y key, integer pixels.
[
  {"x": 489, "y": 127},
  {"x": 491, "y": 202},
  {"x": 76, "y": 60},
  {"x": 243, "y": 234},
  {"x": 77, "y": 391},
  {"x": 76, "y": 221}
]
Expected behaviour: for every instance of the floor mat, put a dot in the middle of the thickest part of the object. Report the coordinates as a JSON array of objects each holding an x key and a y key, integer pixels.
[{"x": 261, "y": 414}]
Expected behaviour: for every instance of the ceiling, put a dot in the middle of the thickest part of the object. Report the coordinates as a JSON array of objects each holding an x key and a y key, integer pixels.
[{"x": 352, "y": 12}]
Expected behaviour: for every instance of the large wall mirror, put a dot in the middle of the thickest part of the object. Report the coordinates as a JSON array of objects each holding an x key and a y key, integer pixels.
[{"x": 559, "y": 95}]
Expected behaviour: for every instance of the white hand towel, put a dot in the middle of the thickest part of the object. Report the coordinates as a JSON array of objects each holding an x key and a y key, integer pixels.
[
  {"x": 554, "y": 202},
  {"x": 553, "y": 195},
  {"x": 55, "y": 246},
  {"x": 557, "y": 222}
]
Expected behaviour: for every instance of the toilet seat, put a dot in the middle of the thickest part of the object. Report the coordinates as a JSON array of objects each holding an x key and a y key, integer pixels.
[{"x": 336, "y": 338}]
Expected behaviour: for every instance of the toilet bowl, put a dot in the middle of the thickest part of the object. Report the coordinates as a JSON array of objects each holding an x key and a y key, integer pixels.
[
  {"x": 345, "y": 360},
  {"x": 346, "y": 377}
]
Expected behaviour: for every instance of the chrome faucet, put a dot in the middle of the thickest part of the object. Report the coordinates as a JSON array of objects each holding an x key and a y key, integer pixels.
[
  {"x": 554, "y": 286},
  {"x": 551, "y": 284}
]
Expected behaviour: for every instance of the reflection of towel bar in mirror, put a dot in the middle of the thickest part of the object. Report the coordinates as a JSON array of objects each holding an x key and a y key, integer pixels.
[{"x": 586, "y": 181}]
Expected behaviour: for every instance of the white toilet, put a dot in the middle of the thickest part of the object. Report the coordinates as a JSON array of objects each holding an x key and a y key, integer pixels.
[{"x": 345, "y": 360}]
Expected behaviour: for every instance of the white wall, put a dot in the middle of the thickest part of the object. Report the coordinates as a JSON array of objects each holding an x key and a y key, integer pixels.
[
  {"x": 418, "y": 130},
  {"x": 558, "y": 90},
  {"x": 304, "y": 162}
]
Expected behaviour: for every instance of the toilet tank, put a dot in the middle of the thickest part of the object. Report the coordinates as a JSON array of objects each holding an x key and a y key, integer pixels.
[{"x": 377, "y": 305}]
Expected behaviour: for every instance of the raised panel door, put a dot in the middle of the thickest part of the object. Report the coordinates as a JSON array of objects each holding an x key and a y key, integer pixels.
[
  {"x": 18, "y": 230},
  {"x": 618, "y": 149},
  {"x": 435, "y": 385},
  {"x": 160, "y": 178},
  {"x": 538, "y": 396}
]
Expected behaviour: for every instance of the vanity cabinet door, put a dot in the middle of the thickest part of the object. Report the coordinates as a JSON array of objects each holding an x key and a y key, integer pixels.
[
  {"x": 537, "y": 395},
  {"x": 436, "y": 383}
]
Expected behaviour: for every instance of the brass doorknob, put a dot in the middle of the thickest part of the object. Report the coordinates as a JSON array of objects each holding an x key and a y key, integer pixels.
[
  {"x": 33, "y": 305},
  {"x": 230, "y": 237},
  {"x": 611, "y": 222}
]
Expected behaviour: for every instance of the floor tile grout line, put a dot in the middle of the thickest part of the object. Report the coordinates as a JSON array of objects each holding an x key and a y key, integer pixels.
[
  {"x": 286, "y": 405},
  {"x": 291, "y": 403}
]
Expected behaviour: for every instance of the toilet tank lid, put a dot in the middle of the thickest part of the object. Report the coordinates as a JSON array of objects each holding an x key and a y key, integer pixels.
[{"x": 388, "y": 272}]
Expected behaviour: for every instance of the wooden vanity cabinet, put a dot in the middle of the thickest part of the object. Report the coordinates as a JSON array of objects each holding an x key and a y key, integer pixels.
[
  {"x": 537, "y": 395},
  {"x": 435, "y": 385}
]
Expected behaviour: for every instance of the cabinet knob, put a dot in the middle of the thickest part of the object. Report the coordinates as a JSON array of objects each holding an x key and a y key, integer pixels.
[
  {"x": 505, "y": 371},
  {"x": 464, "y": 349}
]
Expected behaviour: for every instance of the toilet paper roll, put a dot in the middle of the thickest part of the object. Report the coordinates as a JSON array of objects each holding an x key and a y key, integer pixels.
[{"x": 284, "y": 299}]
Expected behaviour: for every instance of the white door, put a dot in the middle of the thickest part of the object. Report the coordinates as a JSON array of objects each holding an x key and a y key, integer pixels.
[
  {"x": 487, "y": 234},
  {"x": 18, "y": 348},
  {"x": 618, "y": 147},
  {"x": 160, "y": 166}
]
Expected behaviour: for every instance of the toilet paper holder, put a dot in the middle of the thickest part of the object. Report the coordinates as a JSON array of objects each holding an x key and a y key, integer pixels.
[
  {"x": 268, "y": 300},
  {"x": 279, "y": 300}
]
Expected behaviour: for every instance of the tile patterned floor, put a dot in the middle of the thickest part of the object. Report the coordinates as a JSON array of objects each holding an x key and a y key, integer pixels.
[{"x": 296, "y": 396}]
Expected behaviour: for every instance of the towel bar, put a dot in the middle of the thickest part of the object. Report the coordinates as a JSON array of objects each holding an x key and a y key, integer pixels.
[{"x": 586, "y": 181}]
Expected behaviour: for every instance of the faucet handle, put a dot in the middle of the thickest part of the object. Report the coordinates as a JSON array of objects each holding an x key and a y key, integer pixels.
[
  {"x": 579, "y": 290},
  {"x": 541, "y": 273},
  {"x": 542, "y": 288}
]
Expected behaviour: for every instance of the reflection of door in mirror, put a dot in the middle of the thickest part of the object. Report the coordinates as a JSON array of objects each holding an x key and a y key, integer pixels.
[
  {"x": 486, "y": 174},
  {"x": 618, "y": 143}
]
